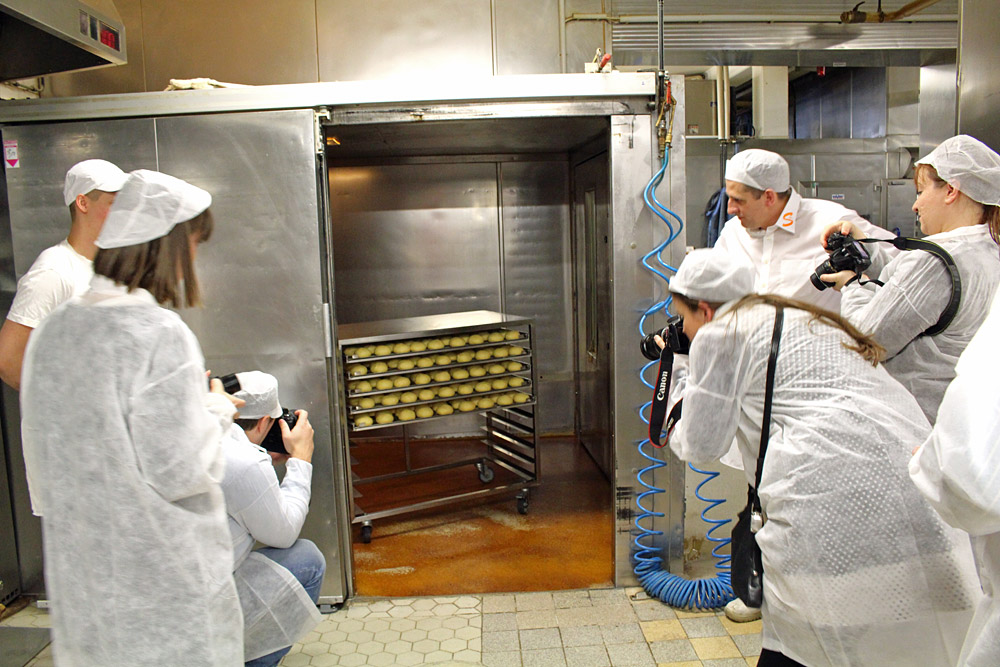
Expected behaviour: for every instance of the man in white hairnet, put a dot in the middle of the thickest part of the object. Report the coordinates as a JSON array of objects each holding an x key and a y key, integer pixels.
[
  {"x": 278, "y": 584},
  {"x": 65, "y": 269},
  {"x": 777, "y": 230}
]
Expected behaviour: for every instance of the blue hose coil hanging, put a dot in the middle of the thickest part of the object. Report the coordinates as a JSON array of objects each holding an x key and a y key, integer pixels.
[{"x": 708, "y": 593}]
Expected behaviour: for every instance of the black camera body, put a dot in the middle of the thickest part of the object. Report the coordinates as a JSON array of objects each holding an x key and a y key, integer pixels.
[
  {"x": 846, "y": 254},
  {"x": 230, "y": 383},
  {"x": 672, "y": 334},
  {"x": 273, "y": 441}
]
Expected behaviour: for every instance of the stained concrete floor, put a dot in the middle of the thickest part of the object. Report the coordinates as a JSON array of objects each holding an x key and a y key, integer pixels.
[{"x": 564, "y": 541}]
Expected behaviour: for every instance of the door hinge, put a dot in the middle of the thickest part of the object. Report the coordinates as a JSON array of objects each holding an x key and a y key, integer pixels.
[{"x": 318, "y": 118}]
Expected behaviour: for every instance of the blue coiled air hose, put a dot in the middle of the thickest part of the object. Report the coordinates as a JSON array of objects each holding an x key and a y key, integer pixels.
[{"x": 708, "y": 593}]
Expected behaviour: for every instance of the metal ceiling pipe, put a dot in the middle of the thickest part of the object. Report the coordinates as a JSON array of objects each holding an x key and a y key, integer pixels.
[{"x": 855, "y": 16}]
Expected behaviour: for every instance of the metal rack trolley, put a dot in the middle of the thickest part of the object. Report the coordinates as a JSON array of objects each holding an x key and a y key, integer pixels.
[{"x": 382, "y": 360}]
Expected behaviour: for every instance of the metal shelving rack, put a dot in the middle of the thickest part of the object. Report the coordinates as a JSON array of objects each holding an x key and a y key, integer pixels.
[{"x": 432, "y": 359}]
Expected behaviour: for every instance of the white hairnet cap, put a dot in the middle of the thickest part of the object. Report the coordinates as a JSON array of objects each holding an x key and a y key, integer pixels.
[
  {"x": 759, "y": 169},
  {"x": 83, "y": 177},
  {"x": 260, "y": 391},
  {"x": 968, "y": 165},
  {"x": 148, "y": 206},
  {"x": 713, "y": 275}
]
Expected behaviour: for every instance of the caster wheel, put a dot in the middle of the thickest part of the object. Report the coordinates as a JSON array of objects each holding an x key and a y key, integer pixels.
[
  {"x": 522, "y": 504},
  {"x": 485, "y": 473},
  {"x": 366, "y": 533}
]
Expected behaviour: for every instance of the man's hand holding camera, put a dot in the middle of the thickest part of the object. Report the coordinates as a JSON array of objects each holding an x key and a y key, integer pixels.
[
  {"x": 298, "y": 440},
  {"x": 848, "y": 258}
]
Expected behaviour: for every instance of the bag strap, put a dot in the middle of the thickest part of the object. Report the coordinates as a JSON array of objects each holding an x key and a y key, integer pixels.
[
  {"x": 951, "y": 309},
  {"x": 765, "y": 427}
]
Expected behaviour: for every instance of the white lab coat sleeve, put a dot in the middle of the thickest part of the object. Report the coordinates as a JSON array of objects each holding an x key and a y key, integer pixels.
[
  {"x": 958, "y": 468},
  {"x": 276, "y": 514},
  {"x": 176, "y": 440},
  {"x": 916, "y": 290},
  {"x": 712, "y": 395}
]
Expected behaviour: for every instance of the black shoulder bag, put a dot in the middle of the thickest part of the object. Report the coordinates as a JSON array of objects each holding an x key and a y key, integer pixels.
[{"x": 746, "y": 565}]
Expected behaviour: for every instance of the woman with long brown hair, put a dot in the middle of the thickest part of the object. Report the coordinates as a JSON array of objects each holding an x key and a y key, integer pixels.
[
  {"x": 958, "y": 192},
  {"x": 858, "y": 569},
  {"x": 122, "y": 444}
]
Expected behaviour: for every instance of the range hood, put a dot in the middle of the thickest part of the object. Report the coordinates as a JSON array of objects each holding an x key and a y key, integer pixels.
[{"x": 39, "y": 37}]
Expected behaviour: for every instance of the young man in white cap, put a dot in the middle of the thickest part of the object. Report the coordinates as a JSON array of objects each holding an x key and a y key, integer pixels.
[
  {"x": 279, "y": 584},
  {"x": 64, "y": 270},
  {"x": 778, "y": 230}
]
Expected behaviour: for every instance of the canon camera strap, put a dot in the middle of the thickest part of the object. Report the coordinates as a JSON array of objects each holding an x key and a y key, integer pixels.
[
  {"x": 907, "y": 243},
  {"x": 661, "y": 392}
]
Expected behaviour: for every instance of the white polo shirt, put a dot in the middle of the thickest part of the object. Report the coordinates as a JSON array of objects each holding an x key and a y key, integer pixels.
[
  {"x": 59, "y": 273},
  {"x": 786, "y": 253}
]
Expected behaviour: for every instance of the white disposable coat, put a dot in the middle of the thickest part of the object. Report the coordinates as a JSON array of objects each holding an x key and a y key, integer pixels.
[
  {"x": 277, "y": 611},
  {"x": 858, "y": 568},
  {"x": 956, "y": 470},
  {"x": 124, "y": 458},
  {"x": 916, "y": 291}
]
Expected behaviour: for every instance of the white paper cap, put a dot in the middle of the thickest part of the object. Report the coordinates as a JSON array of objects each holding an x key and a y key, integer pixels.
[
  {"x": 83, "y": 177},
  {"x": 968, "y": 165},
  {"x": 260, "y": 391},
  {"x": 759, "y": 169},
  {"x": 713, "y": 275},
  {"x": 148, "y": 206}
]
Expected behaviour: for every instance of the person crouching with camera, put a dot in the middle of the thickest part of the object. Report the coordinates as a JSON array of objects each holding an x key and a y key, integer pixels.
[
  {"x": 278, "y": 584},
  {"x": 958, "y": 192},
  {"x": 858, "y": 569}
]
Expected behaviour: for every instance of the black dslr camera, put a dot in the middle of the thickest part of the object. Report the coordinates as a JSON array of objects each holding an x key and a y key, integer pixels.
[
  {"x": 846, "y": 254},
  {"x": 273, "y": 441},
  {"x": 672, "y": 335},
  {"x": 230, "y": 383}
]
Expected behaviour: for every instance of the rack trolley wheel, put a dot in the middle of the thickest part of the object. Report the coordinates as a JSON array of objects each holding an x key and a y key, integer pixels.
[
  {"x": 522, "y": 502},
  {"x": 485, "y": 472},
  {"x": 366, "y": 532}
]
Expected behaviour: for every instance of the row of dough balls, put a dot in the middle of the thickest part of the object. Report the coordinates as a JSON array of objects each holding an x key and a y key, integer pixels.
[
  {"x": 441, "y": 409},
  {"x": 430, "y": 393},
  {"x": 406, "y": 346},
  {"x": 463, "y": 373},
  {"x": 444, "y": 359}
]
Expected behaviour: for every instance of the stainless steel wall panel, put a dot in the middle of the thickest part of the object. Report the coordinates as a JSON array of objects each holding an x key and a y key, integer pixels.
[
  {"x": 978, "y": 74},
  {"x": 527, "y": 39},
  {"x": 10, "y": 571},
  {"x": 633, "y": 234},
  {"x": 38, "y": 219},
  {"x": 938, "y": 105},
  {"x": 262, "y": 277},
  {"x": 256, "y": 42},
  {"x": 414, "y": 240},
  {"x": 534, "y": 214},
  {"x": 381, "y": 39}
]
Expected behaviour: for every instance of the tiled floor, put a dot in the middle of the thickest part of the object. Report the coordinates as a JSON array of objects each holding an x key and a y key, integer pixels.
[{"x": 583, "y": 628}]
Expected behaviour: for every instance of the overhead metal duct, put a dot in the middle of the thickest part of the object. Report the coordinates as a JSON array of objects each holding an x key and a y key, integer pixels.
[{"x": 44, "y": 37}]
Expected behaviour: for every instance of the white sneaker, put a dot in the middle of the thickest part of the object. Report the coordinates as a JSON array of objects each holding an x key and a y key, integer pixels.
[{"x": 738, "y": 612}]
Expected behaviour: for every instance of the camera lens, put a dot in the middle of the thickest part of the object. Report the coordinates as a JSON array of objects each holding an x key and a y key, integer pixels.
[{"x": 648, "y": 346}]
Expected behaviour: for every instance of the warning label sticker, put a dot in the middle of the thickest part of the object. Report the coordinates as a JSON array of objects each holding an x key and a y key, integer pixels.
[{"x": 10, "y": 153}]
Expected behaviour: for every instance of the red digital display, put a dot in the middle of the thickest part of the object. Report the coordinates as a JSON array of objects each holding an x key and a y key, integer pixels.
[{"x": 109, "y": 37}]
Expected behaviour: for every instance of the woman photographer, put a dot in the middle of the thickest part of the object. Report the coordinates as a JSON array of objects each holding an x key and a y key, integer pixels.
[
  {"x": 122, "y": 445},
  {"x": 858, "y": 569},
  {"x": 958, "y": 192}
]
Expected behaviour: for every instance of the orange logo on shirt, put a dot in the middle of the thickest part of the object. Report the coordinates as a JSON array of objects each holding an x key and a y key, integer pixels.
[{"x": 790, "y": 217}]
